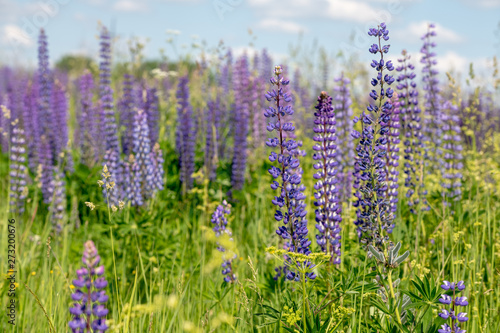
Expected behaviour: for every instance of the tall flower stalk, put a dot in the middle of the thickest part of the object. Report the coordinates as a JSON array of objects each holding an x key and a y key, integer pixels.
[
  {"x": 450, "y": 154},
  {"x": 453, "y": 302},
  {"x": 432, "y": 97},
  {"x": 289, "y": 202},
  {"x": 374, "y": 216},
  {"x": 106, "y": 93},
  {"x": 241, "y": 118},
  {"x": 89, "y": 310},
  {"x": 219, "y": 219},
  {"x": 185, "y": 135},
  {"x": 345, "y": 144},
  {"x": 18, "y": 169},
  {"x": 328, "y": 208},
  {"x": 412, "y": 133}
]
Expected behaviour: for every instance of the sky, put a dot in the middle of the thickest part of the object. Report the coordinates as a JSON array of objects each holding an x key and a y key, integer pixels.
[{"x": 468, "y": 30}]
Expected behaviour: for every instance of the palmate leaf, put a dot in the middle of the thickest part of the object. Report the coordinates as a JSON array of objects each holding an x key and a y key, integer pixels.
[{"x": 381, "y": 306}]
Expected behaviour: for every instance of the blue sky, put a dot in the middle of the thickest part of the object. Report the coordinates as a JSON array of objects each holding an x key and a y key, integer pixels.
[{"x": 466, "y": 28}]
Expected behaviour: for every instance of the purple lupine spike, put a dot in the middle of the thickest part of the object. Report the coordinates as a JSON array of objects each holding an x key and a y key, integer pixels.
[
  {"x": 432, "y": 97},
  {"x": 144, "y": 165},
  {"x": 374, "y": 215},
  {"x": 141, "y": 145},
  {"x": 126, "y": 107},
  {"x": 47, "y": 176},
  {"x": 266, "y": 65},
  {"x": 392, "y": 155},
  {"x": 241, "y": 78},
  {"x": 290, "y": 201},
  {"x": 31, "y": 123},
  {"x": 257, "y": 103},
  {"x": 450, "y": 153},
  {"x": 185, "y": 134},
  {"x": 219, "y": 219},
  {"x": 45, "y": 85},
  {"x": 18, "y": 170},
  {"x": 106, "y": 93},
  {"x": 452, "y": 314},
  {"x": 89, "y": 311},
  {"x": 151, "y": 110},
  {"x": 135, "y": 196},
  {"x": 155, "y": 176},
  {"x": 58, "y": 204},
  {"x": 345, "y": 145},
  {"x": 328, "y": 208},
  {"x": 90, "y": 137},
  {"x": 226, "y": 71},
  {"x": 412, "y": 133},
  {"x": 211, "y": 139},
  {"x": 60, "y": 110}
]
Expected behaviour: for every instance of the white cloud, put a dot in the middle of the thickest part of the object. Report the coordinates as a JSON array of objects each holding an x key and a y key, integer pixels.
[
  {"x": 272, "y": 24},
  {"x": 12, "y": 34},
  {"x": 483, "y": 3},
  {"x": 350, "y": 10},
  {"x": 416, "y": 30},
  {"x": 129, "y": 6}
]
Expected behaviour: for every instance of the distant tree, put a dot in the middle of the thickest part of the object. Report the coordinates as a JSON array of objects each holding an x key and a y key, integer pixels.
[{"x": 78, "y": 63}]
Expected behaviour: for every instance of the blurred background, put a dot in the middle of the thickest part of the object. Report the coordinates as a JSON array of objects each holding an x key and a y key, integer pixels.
[{"x": 292, "y": 31}]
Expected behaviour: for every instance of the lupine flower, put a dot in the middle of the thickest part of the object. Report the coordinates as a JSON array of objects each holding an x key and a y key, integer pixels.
[
  {"x": 141, "y": 143},
  {"x": 47, "y": 177},
  {"x": 58, "y": 205},
  {"x": 89, "y": 310},
  {"x": 151, "y": 109},
  {"x": 328, "y": 208},
  {"x": 185, "y": 134},
  {"x": 374, "y": 215},
  {"x": 219, "y": 219},
  {"x": 106, "y": 93},
  {"x": 392, "y": 156},
  {"x": 155, "y": 176},
  {"x": 257, "y": 102},
  {"x": 450, "y": 153},
  {"x": 126, "y": 107},
  {"x": 241, "y": 118},
  {"x": 133, "y": 178},
  {"x": 45, "y": 85},
  {"x": 211, "y": 132},
  {"x": 432, "y": 97},
  {"x": 18, "y": 170},
  {"x": 32, "y": 124},
  {"x": 453, "y": 301},
  {"x": 289, "y": 202},
  {"x": 89, "y": 133},
  {"x": 60, "y": 111},
  {"x": 225, "y": 77},
  {"x": 345, "y": 144},
  {"x": 412, "y": 133}
]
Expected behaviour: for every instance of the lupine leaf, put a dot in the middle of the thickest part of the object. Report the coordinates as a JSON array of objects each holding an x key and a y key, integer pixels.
[
  {"x": 377, "y": 254},
  {"x": 402, "y": 257}
]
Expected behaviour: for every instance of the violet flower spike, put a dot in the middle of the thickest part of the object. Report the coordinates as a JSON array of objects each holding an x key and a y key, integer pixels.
[
  {"x": 450, "y": 313},
  {"x": 374, "y": 213},
  {"x": 328, "y": 207},
  {"x": 185, "y": 134},
  {"x": 290, "y": 206},
  {"x": 89, "y": 311},
  {"x": 219, "y": 219}
]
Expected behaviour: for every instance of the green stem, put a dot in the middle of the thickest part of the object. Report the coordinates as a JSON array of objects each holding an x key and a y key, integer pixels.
[
  {"x": 304, "y": 301},
  {"x": 389, "y": 277}
]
